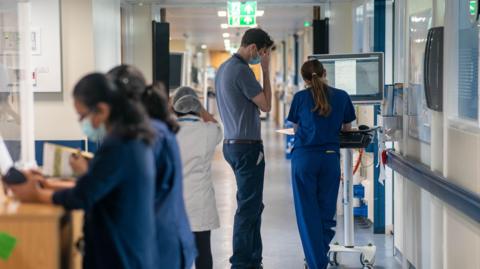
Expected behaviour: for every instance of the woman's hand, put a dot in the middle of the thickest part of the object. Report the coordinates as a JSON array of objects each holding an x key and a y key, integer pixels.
[
  {"x": 79, "y": 164},
  {"x": 57, "y": 184},
  {"x": 28, "y": 191}
]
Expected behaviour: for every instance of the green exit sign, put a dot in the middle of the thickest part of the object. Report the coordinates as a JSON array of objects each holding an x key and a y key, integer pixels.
[
  {"x": 473, "y": 7},
  {"x": 242, "y": 14},
  {"x": 242, "y": 21}
]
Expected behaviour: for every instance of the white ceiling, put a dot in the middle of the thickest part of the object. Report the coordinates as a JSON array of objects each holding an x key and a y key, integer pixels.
[
  {"x": 198, "y": 21},
  {"x": 202, "y": 25}
]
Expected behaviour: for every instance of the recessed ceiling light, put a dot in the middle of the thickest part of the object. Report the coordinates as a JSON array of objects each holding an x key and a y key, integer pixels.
[
  {"x": 226, "y": 35},
  {"x": 204, "y": 46},
  {"x": 260, "y": 13},
  {"x": 222, "y": 13},
  {"x": 224, "y": 26}
]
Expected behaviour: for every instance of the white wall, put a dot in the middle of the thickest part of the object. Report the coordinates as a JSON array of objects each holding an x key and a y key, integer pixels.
[
  {"x": 429, "y": 233},
  {"x": 46, "y": 19},
  {"x": 55, "y": 117},
  {"x": 90, "y": 42},
  {"x": 340, "y": 31},
  {"x": 107, "y": 36},
  {"x": 142, "y": 39}
]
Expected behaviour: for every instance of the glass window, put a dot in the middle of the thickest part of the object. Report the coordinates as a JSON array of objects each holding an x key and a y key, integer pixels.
[
  {"x": 10, "y": 75},
  {"x": 467, "y": 63}
]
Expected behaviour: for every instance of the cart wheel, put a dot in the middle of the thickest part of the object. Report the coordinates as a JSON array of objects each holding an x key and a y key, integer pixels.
[
  {"x": 333, "y": 258},
  {"x": 305, "y": 265},
  {"x": 366, "y": 264}
]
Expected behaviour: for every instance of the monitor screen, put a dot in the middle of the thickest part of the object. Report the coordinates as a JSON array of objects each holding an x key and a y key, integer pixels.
[
  {"x": 360, "y": 75},
  {"x": 176, "y": 70}
]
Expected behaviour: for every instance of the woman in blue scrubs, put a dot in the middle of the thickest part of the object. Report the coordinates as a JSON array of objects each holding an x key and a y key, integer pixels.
[
  {"x": 117, "y": 191},
  {"x": 319, "y": 113},
  {"x": 176, "y": 244}
]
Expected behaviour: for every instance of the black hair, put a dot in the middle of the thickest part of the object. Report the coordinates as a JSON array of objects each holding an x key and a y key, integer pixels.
[
  {"x": 129, "y": 79},
  {"x": 127, "y": 118},
  {"x": 153, "y": 97},
  {"x": 258, "y": 37},
  {"x": 155, "y": 101}
]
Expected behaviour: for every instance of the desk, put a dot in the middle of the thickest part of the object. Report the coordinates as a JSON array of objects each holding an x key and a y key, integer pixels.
[{"x": 44, "y": 236}]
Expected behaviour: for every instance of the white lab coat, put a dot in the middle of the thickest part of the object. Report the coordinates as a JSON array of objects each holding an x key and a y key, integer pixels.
[{"x": 197, "y": 141}]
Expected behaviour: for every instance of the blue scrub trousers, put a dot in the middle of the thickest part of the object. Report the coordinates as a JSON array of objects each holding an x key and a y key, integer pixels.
[
  {"x": 315, "y": 180},
  {"x": 248, "y": 164}
]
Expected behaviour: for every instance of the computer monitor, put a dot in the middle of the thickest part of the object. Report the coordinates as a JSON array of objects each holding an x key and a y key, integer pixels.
[
  {"x": 177, "y": 69},
  {"x": 360, "y": 75}
]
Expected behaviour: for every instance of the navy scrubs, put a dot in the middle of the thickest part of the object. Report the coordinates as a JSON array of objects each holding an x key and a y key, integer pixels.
[
  {"x": 316, "y": 170},
  {"x": 117, "y": 194},
  {"x": 176, "y": 244}
]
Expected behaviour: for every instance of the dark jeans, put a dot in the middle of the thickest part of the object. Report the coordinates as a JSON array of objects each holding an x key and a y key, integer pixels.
[
  {"x": 204, "y": 259},
  {"x": 248, "y": 164}
]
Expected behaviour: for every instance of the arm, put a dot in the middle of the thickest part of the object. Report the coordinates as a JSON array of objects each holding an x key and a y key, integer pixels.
[
  {"x": 348, "y": 116},
  {"x": 264, "y": 99},
  {"x": 104, "y": 175}
]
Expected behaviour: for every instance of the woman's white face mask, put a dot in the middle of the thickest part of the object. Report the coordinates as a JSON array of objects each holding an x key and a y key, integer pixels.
[{"x": 94, "y": 134}]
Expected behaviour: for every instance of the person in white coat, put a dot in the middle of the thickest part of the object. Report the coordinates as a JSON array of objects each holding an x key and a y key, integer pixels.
[{"x": 198, "y": 137}]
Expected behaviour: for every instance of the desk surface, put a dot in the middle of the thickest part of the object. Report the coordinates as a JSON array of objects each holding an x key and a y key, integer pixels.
[{"x": 16, "y": 209}]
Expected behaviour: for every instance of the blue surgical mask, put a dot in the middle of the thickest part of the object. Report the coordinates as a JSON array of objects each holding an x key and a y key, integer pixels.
[
  {"x": 94, "y": 134},
  {"x": 255, "y": 60}
]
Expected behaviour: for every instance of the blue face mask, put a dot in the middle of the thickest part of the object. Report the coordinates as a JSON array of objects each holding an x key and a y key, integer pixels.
[
  {"x": 94, "y": 134},
  {"x": 255, "y": 60}
]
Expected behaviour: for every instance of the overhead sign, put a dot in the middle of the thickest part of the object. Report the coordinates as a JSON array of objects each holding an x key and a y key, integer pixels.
[
  {"x": 473, "y": 7},
  {"x": 242, "y": 14}
]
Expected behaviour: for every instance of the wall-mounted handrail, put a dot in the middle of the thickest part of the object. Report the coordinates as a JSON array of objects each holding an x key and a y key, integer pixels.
[{"x": 458, "y": 197}]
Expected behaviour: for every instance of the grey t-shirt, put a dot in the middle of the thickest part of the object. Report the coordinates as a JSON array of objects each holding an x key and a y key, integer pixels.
[{"x": 235, "y": 86}]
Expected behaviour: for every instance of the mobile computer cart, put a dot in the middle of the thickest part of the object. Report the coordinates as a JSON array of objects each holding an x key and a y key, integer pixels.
[{"x": 348, "y": 141}]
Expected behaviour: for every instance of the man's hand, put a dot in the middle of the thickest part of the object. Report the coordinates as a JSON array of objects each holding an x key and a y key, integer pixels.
[{"x": 265, "y": 62}]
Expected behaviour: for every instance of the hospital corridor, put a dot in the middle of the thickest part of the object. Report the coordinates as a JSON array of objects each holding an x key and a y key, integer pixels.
[{"x": 239, "y": 134}]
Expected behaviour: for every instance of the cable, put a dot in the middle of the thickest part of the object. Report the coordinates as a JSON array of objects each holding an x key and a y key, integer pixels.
[{"x": 359, "y": 161}]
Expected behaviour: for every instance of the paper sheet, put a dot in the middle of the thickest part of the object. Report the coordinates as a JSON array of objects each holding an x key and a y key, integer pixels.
[
  {"x": 56, "y": 160},
  {"x": 289, "y": 131}
]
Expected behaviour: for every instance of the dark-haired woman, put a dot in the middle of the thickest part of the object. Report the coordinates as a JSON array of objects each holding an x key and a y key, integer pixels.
[
  {"x": 117, "y": 191},
  {"x": 176, "y": 245},
  {"x": 319, "y": 113}
]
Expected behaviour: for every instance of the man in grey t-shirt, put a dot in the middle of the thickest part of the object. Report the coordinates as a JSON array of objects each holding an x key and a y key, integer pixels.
[{"x": 239, "y": 99}]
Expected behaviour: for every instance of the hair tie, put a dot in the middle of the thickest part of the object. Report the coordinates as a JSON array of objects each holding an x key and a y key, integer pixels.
[
  {"x": 314, "y": 74},
  {"x": 125, "y": 81}
]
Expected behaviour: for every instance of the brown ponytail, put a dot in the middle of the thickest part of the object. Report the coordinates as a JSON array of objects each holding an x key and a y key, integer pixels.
[{"x": 314, "y": 72}]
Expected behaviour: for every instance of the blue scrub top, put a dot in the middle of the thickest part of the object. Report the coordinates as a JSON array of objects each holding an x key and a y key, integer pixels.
[
  {"x": 315, "y": 131},
  {"x": 117, "y": 194},
  {"x": 175, "y": 239}
]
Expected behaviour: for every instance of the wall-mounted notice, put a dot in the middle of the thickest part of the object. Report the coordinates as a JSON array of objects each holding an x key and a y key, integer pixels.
[{"x": 46, "y": 48}]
